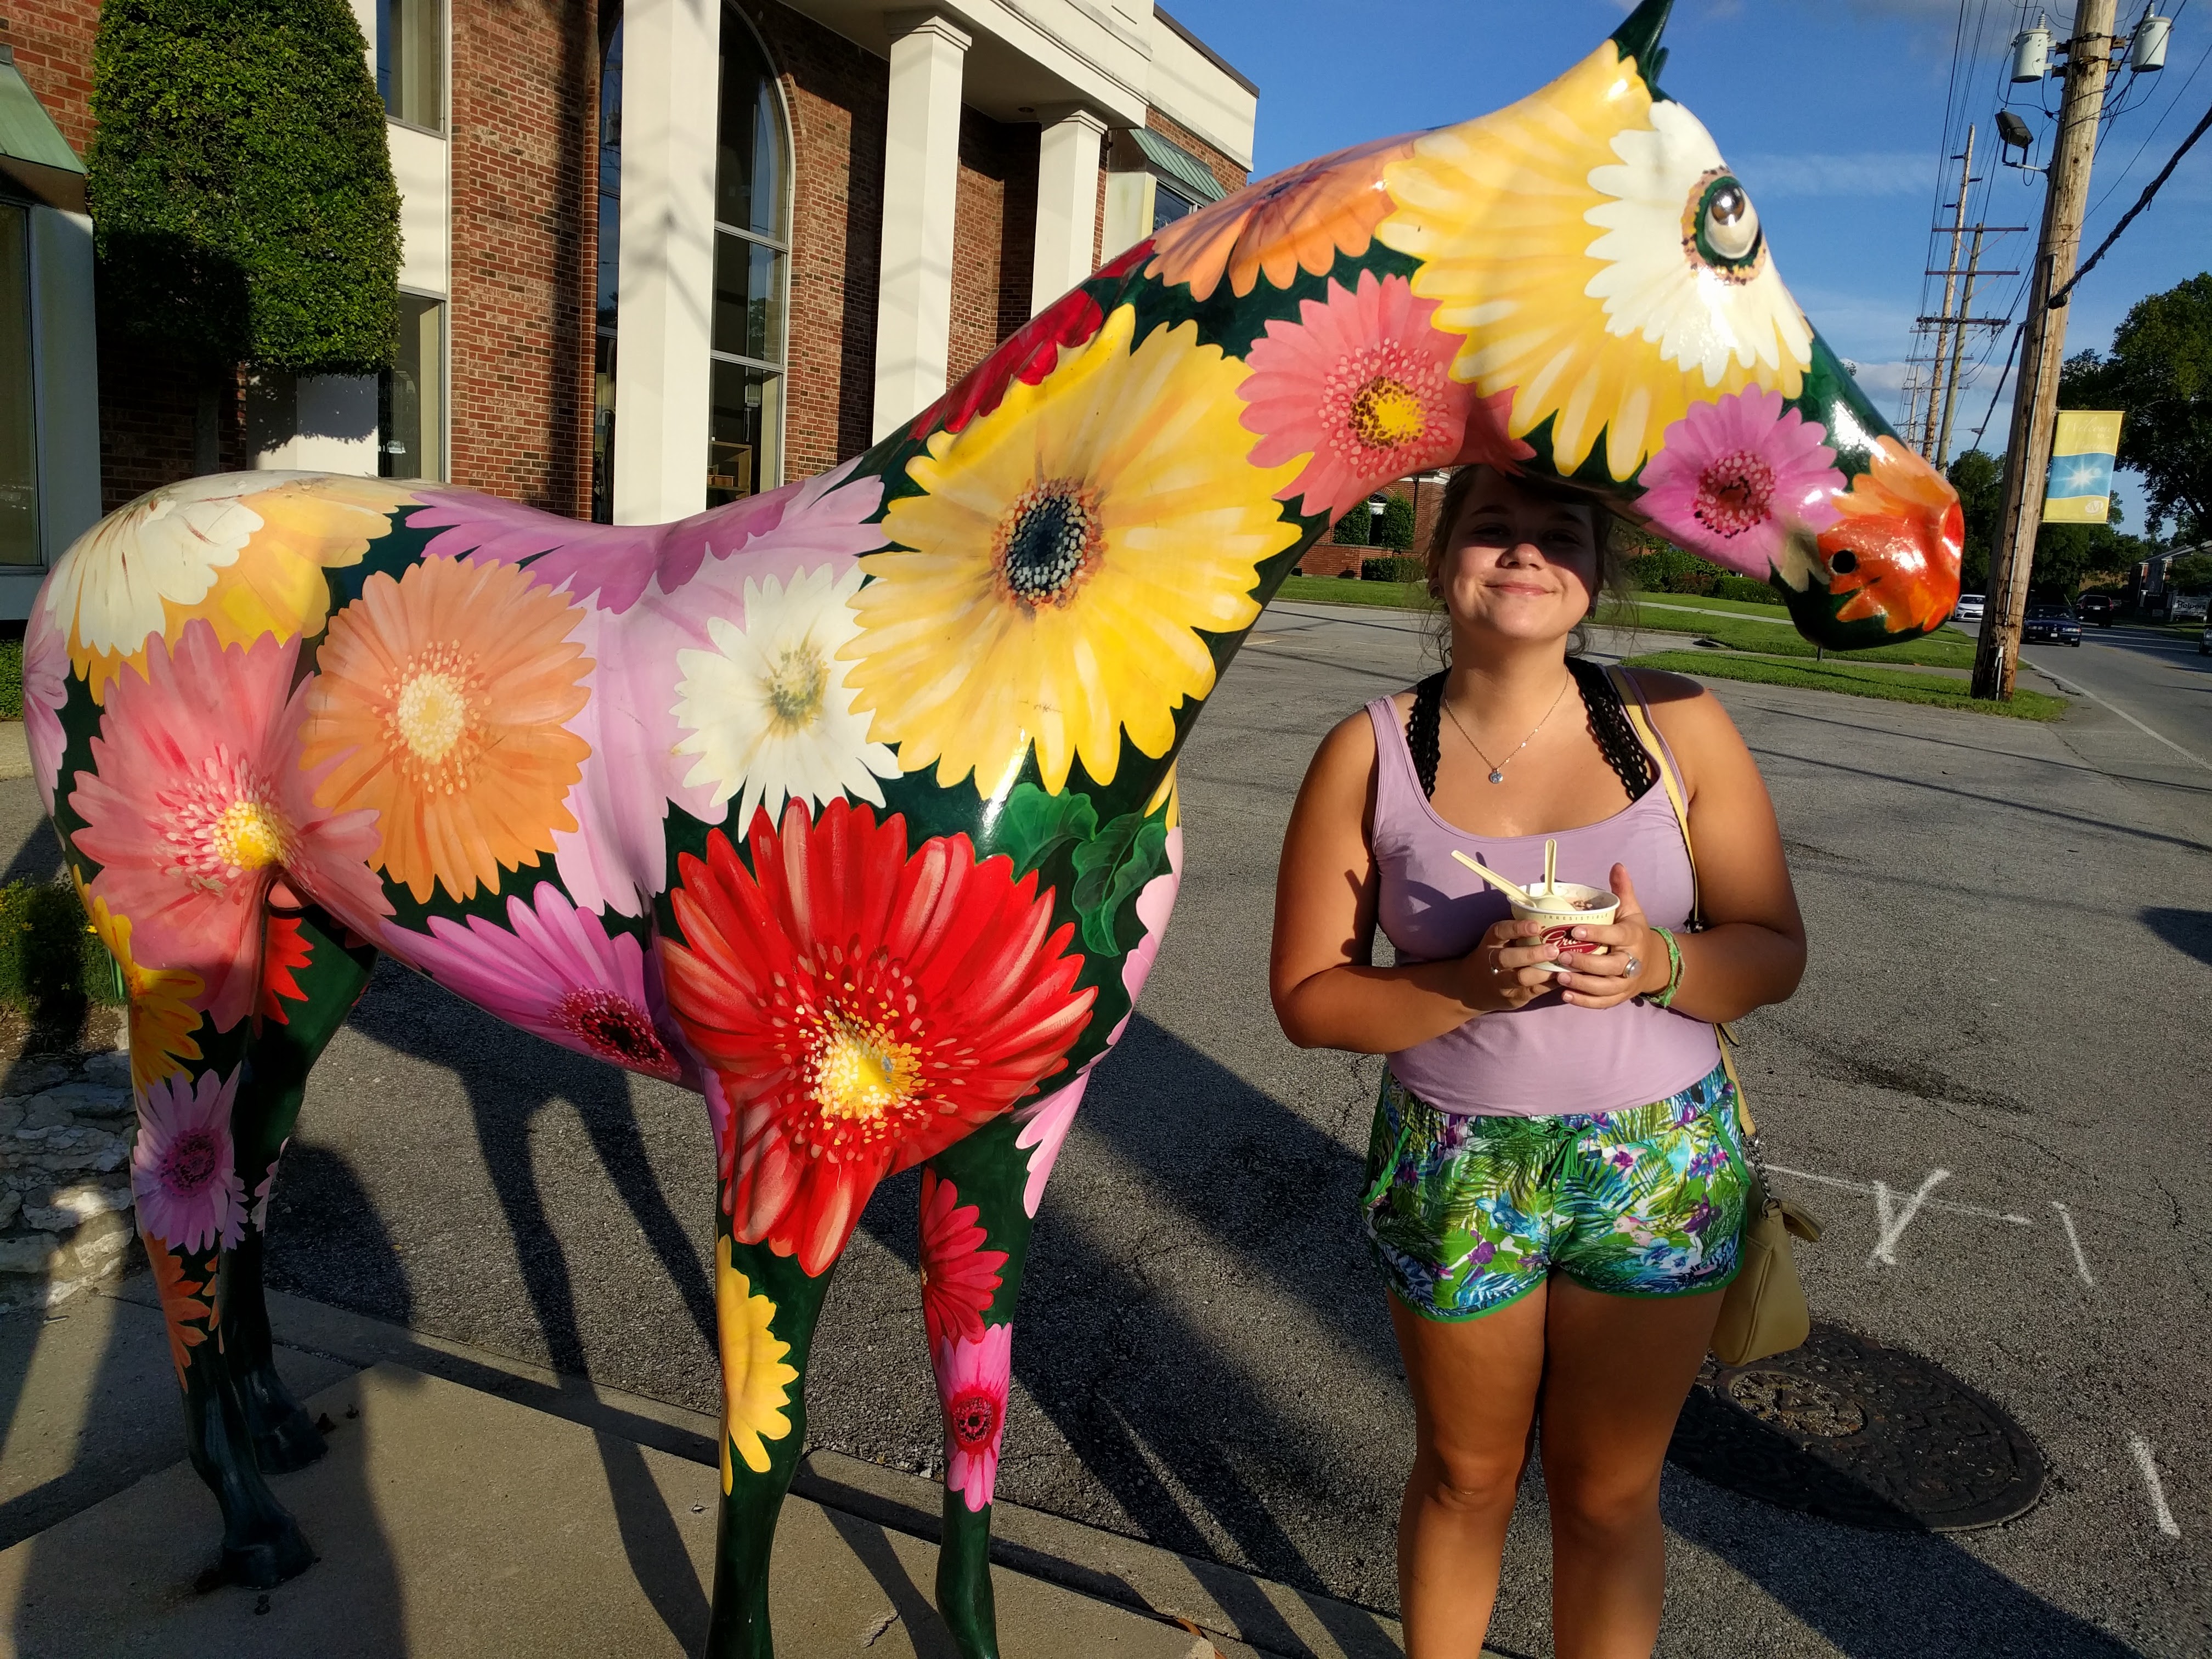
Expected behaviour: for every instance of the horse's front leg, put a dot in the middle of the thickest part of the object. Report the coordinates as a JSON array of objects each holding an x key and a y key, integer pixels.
[
  {"x": 766, "y": 1307},
  {"x": 975, "y": 1240},
  {"x": 311, "y": 979}
]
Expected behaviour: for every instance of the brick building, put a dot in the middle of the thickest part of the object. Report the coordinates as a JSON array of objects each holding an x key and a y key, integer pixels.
[{"x": 657, "y": 255}]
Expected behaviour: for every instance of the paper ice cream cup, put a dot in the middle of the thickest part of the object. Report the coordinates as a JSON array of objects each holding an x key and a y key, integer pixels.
[{"x": 1563, "y": 907}]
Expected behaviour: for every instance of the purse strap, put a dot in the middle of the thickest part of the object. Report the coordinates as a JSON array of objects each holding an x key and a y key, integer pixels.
[{"x": 1639, "y": 721}]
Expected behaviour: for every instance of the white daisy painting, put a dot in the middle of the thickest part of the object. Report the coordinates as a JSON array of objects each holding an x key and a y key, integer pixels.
[{"x": 768, "y": 710}]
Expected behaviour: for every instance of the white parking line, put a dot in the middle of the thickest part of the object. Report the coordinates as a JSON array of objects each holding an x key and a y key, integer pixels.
[
  {"x": 2148, "y": 1465},
  {"x": 2080, "y": 1262}
]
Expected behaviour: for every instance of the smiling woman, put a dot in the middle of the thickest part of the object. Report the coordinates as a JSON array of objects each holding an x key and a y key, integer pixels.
[{"x": 1556, "y": 1181}]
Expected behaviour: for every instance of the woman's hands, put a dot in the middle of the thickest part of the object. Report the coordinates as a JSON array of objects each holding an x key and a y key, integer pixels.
[
  {"x": 1635, "y": 962},
  {"x": 1505, "y": 971}
]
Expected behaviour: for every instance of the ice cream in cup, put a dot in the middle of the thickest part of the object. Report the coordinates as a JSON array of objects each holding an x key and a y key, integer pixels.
[{"x": 1564, "y": 907}]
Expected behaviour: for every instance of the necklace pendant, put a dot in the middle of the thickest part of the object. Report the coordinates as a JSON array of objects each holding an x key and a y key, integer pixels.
[{"x": 1497, "y": 777}]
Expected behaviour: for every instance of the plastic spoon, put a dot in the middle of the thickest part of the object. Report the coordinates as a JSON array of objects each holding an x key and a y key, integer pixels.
[
  {"x": 1519, "y": 896},
  {"x": 1551, "y": 867}
]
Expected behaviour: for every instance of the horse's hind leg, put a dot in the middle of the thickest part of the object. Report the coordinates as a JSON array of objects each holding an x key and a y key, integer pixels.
[
  {"x": 311, "y": 979},
  {"x": 974, "y": 1241}
]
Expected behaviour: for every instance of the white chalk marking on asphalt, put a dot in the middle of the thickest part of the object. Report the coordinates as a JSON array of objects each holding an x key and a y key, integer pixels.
[
  {"x": 2080, "y": 1262},
  {"x": 2148, "y": 1465},
  {"x": 1931, "y": 1204},
  {"x": 2084, "y": 691},
  {"x": 1893, "y": 1222}
]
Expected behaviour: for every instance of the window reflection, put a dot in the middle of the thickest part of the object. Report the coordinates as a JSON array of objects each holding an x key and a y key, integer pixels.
[
  {"x": 410, "y": 61},
  {"x": 410, "y": 395},
  {"x": 745, "y": 421}
]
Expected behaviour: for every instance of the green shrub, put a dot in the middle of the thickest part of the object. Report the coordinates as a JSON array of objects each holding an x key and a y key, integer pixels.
[
  {"x": 1733, "y": 586},
  {"x": 51, "y": 962},
  {"x": 2190, "y": 575},
  {"x": 11, "y": 679},
  {"x": 1395, "y": 529},
  {"x": 1398, "y": 569},
  {"x": 1350, "y": 530},
  {"x": 242, "y": 200}
]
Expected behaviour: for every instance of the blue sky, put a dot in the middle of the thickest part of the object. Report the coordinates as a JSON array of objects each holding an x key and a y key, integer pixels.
[{"x": 1832, "y": 112}]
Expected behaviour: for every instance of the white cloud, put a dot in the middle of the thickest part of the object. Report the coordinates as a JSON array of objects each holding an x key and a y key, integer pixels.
[{"x": 1865, "y": 172}]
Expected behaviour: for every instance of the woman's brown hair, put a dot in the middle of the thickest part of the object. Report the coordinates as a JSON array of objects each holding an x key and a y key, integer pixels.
[{"x": 1611, "y": 532}]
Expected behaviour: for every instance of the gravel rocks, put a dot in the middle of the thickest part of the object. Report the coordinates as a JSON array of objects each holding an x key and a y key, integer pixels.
[{"x": 66, "y": 1129}]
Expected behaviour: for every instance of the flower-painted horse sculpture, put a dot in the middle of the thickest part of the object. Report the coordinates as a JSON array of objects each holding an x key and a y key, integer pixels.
[{"x": 852, "y": 805}]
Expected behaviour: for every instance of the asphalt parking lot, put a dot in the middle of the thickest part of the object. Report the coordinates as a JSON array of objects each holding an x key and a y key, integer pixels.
[{"x": 1995, "y": 1086}]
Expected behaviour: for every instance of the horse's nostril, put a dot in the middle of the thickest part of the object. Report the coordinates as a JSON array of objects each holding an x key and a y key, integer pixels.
[{"x": 1844, "y": 562}]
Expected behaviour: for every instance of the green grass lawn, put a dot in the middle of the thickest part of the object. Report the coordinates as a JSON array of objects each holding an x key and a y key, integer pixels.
[
  {"x": 1852, "y": 679},
  {"x": 1775, "y": 612},
  {"x": 1332, "y": 590},
  {"x": 1944, "y": 648}
]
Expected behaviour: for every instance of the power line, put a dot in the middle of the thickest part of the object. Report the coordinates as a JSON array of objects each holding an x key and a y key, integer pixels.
[{"x": 2128, "y": 218}]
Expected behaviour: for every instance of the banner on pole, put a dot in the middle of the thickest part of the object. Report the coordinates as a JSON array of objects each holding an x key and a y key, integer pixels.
[{"x": 2082, "y": 452}]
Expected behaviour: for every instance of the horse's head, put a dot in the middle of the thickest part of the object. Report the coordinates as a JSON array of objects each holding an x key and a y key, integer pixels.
[{"x": 1577, "y": 287}]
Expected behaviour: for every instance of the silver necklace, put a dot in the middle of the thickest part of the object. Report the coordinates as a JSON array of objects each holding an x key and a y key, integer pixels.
[{"x": 1497, "y": 771}]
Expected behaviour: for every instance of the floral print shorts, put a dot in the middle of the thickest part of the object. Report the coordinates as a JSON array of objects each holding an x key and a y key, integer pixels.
[{"x": 1467, "y": 1214}]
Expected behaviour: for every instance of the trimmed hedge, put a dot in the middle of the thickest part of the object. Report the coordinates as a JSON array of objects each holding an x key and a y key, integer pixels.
[
  {"x": 1350, "y": 530},
  {"x": 1662, "y": 568},
  {"x": 51, "y": 962},
  {"x": 242, "y": 199},
  {"x": 1395, "y": 529},
  {"x": 1399, "y": 570},
  {"x": 11, "y": 679}
]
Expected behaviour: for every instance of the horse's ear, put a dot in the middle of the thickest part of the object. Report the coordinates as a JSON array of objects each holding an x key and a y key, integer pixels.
[{"x": 1638, "y": 37}]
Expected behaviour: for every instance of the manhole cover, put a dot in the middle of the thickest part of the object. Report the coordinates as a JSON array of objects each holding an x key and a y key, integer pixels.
[{"x": 1849, "y": 1429}]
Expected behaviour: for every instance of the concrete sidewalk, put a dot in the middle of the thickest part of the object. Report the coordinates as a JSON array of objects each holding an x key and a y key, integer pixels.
[{"x": 473, "y": 1504}]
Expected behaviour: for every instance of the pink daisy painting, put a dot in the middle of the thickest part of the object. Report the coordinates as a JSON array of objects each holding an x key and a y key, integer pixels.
[
  {"x": 183, "y": 1170},
  {"x": 558, "y": 973},
  {"x": 972, "y": 1381},
  {"x": 1045, "y": 1124},
  {"x": 959, "y": 1277},
  {"x": 46, "y": 688},
  {"x": 1736, "y": 477},
  {"x": 1362, "y": 387},
  {"x": 197, "y": 805}
]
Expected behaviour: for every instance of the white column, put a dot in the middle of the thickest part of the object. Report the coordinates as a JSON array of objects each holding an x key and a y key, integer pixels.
[
  {"x": 1067, "y": 202},
  {"x": 665, "y": 273},
  {"x": 921, "y": 181}
]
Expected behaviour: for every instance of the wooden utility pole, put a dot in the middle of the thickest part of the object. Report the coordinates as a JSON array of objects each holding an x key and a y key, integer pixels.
[
  {"x": 1950, "y": 289},
  {"x": 1965, "y": 320},
  {"x": 2043, "y": 350}
]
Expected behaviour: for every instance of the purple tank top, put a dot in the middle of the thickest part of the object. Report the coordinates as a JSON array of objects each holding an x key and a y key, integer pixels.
[{"x": 1547, "y": 1056}]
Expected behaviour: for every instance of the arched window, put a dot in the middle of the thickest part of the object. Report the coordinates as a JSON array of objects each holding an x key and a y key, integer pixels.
[{"x": 752, "y": 252}]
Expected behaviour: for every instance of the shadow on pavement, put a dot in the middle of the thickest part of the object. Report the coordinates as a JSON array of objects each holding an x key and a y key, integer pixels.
[
  {"x": 1881, "y": 1595},
  {"x": 2188, "y": 931}
]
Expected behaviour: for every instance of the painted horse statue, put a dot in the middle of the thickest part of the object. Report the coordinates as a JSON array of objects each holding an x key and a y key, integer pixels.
[{"x": 852, "y": 805}]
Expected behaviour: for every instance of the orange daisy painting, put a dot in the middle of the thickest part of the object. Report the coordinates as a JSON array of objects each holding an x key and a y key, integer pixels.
[{"x": 441, "y": 703}]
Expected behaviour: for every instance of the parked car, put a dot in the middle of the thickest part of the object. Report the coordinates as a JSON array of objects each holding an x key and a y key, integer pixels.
[
  {"x": 1969, "y": 608},
  {"x": 2047, "y": 620},
  {"x": 2098, "y": 608}
]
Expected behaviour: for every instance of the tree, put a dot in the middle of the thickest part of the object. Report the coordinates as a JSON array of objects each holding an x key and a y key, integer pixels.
[
  {"x": 243, "y": 205},
  {"x": 1395, "y": 529},
  {"x": 1979, "y": 480},
  {"x": 1350, "y": 530},
  {"x": 2160, "y": 371},
  {"x": 2190, "y": 575}
]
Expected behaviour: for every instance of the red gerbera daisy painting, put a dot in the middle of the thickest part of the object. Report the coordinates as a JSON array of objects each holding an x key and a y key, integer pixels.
[
  {"x": 862, "y": 1009},
  {"x": 959, "y": 1277}
]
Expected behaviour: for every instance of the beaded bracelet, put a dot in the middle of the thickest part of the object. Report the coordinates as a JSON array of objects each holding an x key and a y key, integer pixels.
[{"x": 1666, "y": 998}]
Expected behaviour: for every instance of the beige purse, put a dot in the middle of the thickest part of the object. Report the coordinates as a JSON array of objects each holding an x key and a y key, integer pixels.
[{"x": 1764, "y": 1312}]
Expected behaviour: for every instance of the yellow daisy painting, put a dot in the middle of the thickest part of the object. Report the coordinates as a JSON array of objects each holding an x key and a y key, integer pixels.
[
  {"x": 1603, "y": 264},
  {"x": 1052, "y": 585},
  {"x": 757, "y": 1375}
]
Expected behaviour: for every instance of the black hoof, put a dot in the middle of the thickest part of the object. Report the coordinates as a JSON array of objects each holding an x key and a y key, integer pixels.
[{"x": 263, "y": 1565}]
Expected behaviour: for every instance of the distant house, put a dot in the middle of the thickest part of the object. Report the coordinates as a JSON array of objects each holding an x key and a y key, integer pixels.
[{"x": 659, "y": 255}]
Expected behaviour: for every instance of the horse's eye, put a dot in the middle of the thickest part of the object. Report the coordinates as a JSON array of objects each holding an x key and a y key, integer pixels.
[{"x": 1731, "y": 223}]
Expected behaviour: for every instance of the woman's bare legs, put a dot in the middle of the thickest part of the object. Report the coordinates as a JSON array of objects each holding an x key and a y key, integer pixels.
[
  {"x": 1617, "y": 1369},
  {"x": 1474, "y": 1385}
]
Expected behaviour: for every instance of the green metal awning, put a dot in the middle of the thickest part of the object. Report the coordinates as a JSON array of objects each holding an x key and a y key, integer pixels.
[
  {"x": 1187, "y": 171},
  {"x": 34, "y": 157}
]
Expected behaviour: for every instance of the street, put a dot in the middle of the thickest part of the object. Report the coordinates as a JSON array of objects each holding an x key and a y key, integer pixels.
[{"x": 1994, "y": 1087}]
